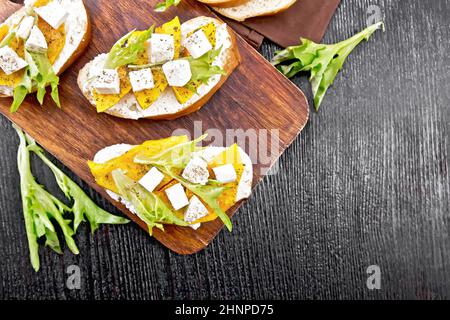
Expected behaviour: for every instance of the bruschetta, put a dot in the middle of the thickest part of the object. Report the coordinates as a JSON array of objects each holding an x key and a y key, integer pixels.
[
  {"x": 172, "y": 181},
  {"x": 37, "y": 43},
  {"x": 163, "y": 72}
]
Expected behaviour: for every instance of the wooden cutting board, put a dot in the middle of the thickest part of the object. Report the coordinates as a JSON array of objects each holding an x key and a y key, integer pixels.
[{"x": 255, "y": 97}]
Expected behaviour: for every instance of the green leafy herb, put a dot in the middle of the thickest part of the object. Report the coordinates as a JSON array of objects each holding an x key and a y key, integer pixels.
[
  {"x": 163, "y": 6},
  {"x": 321, "y": 60},
  {"x": 202, "y": 68},
  {"x": 178, "y": 157},
  {"x": 39, "y": 74},
  {"x": 40, "y": 207},
  {"x": 83, "y": 207},
  {"x": 149, "y": 207},
  {"x": 127, "y": 49}
]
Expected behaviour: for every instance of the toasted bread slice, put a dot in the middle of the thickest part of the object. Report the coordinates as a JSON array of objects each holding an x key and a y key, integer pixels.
[
  {"x": 167, "y": 107},
  {"x": 254, "y": 8},
  {"x": 224, "y": 3},
  {"x": 77, "y": 29}
]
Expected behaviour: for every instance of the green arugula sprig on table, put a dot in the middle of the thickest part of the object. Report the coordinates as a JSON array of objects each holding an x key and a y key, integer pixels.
[
  {"x": 323, "y": 61},
  {"x": 40, "y": 207},
  {"x": 163, "y": 6}
]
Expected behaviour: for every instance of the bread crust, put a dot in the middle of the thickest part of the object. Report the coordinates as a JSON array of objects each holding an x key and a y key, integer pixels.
[
  {"x": 78, "y": 51},
  {"x": 233, "y": 60},
  {"x": 268, "y": 13},
  {"x": 223, "y": 3}
]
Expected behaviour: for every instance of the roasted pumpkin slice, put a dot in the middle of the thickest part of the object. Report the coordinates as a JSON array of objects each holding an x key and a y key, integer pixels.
[
  {"x": 105, "y": 101},
  {"x": 56, "y": 39},
  {"x": 4, "y": 29},
  {"x": 148, "y": 96},
  {"x": 102, "y": 172}
]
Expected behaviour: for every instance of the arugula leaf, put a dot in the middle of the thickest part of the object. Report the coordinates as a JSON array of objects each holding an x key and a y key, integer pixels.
[
  {"x": 45, "y": 76},
  {"x": 163, "y": 6},
  {"x": 83, "y": 207},
  {"x": 149, "y": 207},
  {"x": 321, "y": 60},
  {"x": 127, "y": 49},
  {"x": 40, "y": 207},
  {"x": 178, "y": 157},
  {"x": 202, "y": 68},
  {"x": 39, "y": 74}
]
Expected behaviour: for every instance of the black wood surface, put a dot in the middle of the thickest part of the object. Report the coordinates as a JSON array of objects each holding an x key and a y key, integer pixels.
[{"x": 366, "y": 183}]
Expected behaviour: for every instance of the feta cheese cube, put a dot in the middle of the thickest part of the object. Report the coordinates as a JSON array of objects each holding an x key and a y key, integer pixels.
[
  {"x": 107, "y": 82},
  {"x": 177, "y": 72},
  {"x": 161, "y": 48},
  {"x": 23, "y": 31},
  {"x": 225, "y": 173},
  {"x": 36, "y": 41},
  {"x": 195, "y": 210},
  {"x": 10, "y": 62},
  {"x": 151, "y": 179},
  {"x": 53, "y": 13},
  {"x": 177, "y": 196},
  {"x": 141, "y": 79},
  {"x": 197, "y": 44},
  {"x": 196, "y": 171}
]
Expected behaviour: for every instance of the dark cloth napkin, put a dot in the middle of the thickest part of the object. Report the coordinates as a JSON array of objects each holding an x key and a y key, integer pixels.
[{"x": 306, "y": 18}]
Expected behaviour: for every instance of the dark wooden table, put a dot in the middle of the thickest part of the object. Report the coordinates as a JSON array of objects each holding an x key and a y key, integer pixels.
[{"x": 366, "y": 183}]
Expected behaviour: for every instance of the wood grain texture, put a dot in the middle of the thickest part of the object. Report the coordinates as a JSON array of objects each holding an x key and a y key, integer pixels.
[
  {"x": 367, "y": 182},
  {"x": 246, "y": 101}
]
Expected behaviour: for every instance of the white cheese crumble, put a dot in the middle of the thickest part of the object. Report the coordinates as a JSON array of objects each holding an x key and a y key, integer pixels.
[
  {"x": 53, "y": 13},
  {"x": 36, "y": 41},
  {"x": 195, "y": 210},
  {"x": 151, "y": 179},
  {"x": 161, "y": 48},
  {"x": 225, "y": 173},
  {"x": 197, "y": 44},
  {"x": 177, "y": 196},
  {"x": 23, "y": 31},
  {"x": 107, "y": 82},
  {"x": 141, "y": 79},
  {"x": 196, "y": 171},
  {"x": 177, "y": 72},
  {"x": 10, "y": 61}
]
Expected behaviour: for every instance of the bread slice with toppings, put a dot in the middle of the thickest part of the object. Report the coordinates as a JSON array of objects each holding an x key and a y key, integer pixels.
[
  {"x": 163, "y": 101},
  {"x": 140, "y": 177},
  {"x": 64, "y": 43},
  {"x": 254, "y": 8}
]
